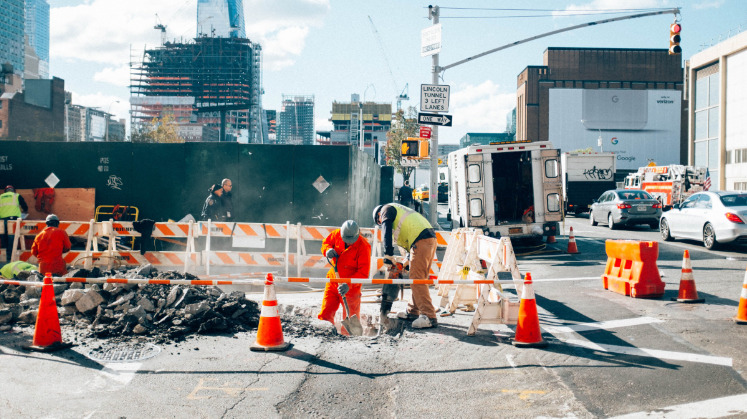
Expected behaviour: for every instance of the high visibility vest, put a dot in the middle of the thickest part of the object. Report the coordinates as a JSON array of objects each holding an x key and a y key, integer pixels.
[
  {"x": 12, "y": 269},
  {"x": 9, "y": 205},
  {"x": 407, "y": 226}
]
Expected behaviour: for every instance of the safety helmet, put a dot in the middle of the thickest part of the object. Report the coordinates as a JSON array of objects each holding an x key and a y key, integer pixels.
[
  {"x": 349, "y": 231},
  {"x": 9, "y": 188},
  {"x": 52, "y": 220},
  {"x": 376, "y": 214}
]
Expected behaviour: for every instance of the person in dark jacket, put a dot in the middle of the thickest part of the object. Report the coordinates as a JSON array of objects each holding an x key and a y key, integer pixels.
[
  {"x": 225, "y": 199},
  {"x": 213, "y": 207},
  {"x": 405, "y": 194}
]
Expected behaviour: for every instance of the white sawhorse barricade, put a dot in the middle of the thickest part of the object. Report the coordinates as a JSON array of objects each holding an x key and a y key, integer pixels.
[
  {"x": 252, "y": 235},
  {"x": 467, "y": 248}
]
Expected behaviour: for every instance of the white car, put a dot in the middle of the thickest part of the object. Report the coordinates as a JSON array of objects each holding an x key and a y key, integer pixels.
[{"x": 712, "y": 217}]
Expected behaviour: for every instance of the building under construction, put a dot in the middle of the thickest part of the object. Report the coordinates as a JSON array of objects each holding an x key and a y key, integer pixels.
[{"x": 210, "y": 86}]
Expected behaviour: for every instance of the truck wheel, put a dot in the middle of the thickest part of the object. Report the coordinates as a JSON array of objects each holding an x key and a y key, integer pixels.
[
  {"x": 610, "y": 222},
  {"x": 591, "y": 219}
]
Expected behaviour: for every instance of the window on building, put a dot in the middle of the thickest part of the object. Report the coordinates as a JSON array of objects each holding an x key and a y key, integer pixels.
[{"x": 707, "y": 118}]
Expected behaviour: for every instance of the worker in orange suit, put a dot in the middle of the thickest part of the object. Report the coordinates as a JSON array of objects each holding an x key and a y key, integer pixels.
[
  {"x": 49, "y": 245},
  {"x": 351, "y": 253}
]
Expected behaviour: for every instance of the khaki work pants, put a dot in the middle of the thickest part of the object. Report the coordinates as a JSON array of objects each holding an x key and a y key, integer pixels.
[{"x": 421, "y": 256}]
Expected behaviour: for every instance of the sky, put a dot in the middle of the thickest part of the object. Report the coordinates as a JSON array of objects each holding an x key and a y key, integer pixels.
[{"x": 334, "y": 48}]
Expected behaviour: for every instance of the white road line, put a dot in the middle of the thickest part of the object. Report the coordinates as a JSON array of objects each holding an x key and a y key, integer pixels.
[
  {"x": 510, "y": 359},
  {"x": 582, "y": 278},
  {"x": 654, "y": 353},
  {"x": 121, "y": 372},
  {"x": 611, "y": 324},
  {"x": 715, "y": 408}
]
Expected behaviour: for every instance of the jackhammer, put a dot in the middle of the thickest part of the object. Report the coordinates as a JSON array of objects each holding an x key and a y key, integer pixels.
[{"x": 389, "y": 295}]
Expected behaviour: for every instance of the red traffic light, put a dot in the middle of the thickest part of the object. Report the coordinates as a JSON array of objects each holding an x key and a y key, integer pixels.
[{"x": 675, "y": 38}]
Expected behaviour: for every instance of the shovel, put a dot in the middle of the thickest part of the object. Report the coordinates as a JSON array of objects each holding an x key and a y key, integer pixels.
[{"x": 351, "y": 323}]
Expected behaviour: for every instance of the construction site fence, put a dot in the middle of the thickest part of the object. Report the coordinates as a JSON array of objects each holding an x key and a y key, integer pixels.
[{"x": 104, "y": 247}]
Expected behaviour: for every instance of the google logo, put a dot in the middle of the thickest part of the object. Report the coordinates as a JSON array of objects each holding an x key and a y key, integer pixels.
[{"x": 613, "y": 140}]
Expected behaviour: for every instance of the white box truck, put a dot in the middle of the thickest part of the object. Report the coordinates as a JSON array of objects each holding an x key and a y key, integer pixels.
[
  {"x": 585, "y": 177},
  {"x": 507, "y": 189}
]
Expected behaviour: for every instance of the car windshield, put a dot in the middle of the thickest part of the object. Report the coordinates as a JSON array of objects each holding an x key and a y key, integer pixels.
[
  {"x": 634, "y": 195},
  {"x": 735, "y": 200}
]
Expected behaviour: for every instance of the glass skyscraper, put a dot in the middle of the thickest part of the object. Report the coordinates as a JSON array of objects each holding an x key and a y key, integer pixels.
[
  {"x": 221, "y": 18},
  {"x": 11, "y": 34},
  {"x": 37, "y": 29}
]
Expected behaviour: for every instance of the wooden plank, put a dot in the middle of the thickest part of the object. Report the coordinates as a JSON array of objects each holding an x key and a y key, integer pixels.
[{"x": 70, "y": 204}]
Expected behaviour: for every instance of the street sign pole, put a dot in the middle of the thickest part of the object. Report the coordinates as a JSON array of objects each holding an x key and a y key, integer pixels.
[{"x": 433, "y": 13}]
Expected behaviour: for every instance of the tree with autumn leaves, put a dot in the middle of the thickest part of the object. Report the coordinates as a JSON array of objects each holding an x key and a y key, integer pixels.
[{"x": 404, "y": 125}]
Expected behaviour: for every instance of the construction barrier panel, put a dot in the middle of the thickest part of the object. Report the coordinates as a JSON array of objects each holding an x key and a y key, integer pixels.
[{"x": 631, "y": 268}]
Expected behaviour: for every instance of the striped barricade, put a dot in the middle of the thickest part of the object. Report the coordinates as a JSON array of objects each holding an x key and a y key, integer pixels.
[
  {"x": 152, "y": 281},
  {"x": 34, "y": 227},
  {"x": 265, "y": 259}
]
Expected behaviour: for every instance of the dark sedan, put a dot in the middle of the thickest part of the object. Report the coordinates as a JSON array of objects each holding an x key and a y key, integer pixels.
[{"x": 625, "y": 207}]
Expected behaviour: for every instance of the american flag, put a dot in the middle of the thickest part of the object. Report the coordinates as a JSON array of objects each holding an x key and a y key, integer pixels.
[{"x": 707, "y": 182}]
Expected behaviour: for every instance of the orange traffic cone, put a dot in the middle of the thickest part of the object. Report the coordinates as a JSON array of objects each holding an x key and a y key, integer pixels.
[
  {"x": 47, "y": 333},
  {"x": 551, "y": 239},
  {"x": 741, "y": 317},
  {"x": 269, "y": 332},
  {"x": 572, "y": 243},
  {"x": 688, "y": 293},
  {"x": 528, "y": 334}
]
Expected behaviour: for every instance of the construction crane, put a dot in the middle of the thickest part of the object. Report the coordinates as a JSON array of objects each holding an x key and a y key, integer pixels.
[
  {"x": 403, "y": 94},
  {"x": 162, "y": 28}
]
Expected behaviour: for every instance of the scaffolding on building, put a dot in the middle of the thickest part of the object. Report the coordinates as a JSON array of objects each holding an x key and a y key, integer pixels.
[
  {"x": 296, "y": 120},
  {"x": 212, "y": 83}
]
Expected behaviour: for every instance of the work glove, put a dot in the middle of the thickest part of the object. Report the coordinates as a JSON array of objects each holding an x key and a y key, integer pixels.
[
  {"x": 343, "y": 288},
  {"x": 389, "y": 260},
  {"x": 331, "y": 253}
]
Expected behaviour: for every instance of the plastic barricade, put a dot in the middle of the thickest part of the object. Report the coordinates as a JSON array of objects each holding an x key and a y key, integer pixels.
[{"x": 631, "y": 269}]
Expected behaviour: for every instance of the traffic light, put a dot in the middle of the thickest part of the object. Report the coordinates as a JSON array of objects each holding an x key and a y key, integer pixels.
[
  {"x": 410, "y": 147},
  {"x": 423, "y": 151},
  {"x": 674, "y": 39}
]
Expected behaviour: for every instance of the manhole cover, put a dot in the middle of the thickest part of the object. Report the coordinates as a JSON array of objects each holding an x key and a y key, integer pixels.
[{"x": 125, "y": 353}]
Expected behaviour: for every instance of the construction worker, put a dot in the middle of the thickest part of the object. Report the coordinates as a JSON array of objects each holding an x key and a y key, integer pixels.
[
  {"x": 12, "y": 269},
  {"x": 49, "y": 245},
  {"x": 411, "y": 231},
  {"x": 351, "y": 255},
  {"x": 12, "y": 205}
]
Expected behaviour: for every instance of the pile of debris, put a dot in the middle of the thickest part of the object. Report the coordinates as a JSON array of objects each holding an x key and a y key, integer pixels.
[{"x": 118, "y": 311}]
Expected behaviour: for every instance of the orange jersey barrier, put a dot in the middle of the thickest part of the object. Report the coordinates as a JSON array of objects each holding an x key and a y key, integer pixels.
[{"x": 631, "y": 269}]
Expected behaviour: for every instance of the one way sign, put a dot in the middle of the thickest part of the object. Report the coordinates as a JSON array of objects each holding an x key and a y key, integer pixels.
[{"x": 434, "y": 119}]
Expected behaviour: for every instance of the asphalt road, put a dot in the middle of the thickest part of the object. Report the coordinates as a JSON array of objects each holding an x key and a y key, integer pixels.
[{"x": 607, "y": 355}]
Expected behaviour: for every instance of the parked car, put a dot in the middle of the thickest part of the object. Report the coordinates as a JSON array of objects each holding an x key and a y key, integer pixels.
[
  {"x": 421, "y": 193},
  {"x": 625, "y": 207},
  {"x": 443, "y": 192},
  {"x": 712, "y": 217}
]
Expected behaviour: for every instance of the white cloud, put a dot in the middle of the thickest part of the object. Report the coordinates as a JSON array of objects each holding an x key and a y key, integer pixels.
[
  {"x": 119, "y": 76},
  {"x": 108, "y": 32},
  {"x": 117, "y": 106},
  {"x": 712, "y": 4},
  {"x": 479, "y": 108},
  {"x": 613, "y": 4},
  {"x": 322, "y": 124}
]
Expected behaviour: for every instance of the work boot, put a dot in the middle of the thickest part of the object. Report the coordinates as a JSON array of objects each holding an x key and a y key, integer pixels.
[
  {"x": 406, "y": 316},
  {"x": 423, "y": 322}
]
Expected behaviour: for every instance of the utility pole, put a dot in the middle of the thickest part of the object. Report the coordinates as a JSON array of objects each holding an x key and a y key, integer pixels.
[{"x": 433, "y": 13}]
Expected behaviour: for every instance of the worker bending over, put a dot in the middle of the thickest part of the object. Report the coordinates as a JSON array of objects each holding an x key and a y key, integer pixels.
[
  {"x": 48, "y": 247},
  {"x": 351, "y": 254},
  {"x": 414, "y": 233}
]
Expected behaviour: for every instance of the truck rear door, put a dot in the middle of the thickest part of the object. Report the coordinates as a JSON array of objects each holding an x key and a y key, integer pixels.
[
  {"x": 551, "y": 185},
  {"x": 476, "y": 200}
]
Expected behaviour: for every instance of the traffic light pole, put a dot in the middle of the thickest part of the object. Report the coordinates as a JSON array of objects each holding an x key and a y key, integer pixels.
[{"x": 433, "y": 13}]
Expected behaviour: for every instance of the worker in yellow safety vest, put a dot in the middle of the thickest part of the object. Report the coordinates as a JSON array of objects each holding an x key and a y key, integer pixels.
[
  {"x": 408, "y": 229},
  {"x": 12, "y": 205}
]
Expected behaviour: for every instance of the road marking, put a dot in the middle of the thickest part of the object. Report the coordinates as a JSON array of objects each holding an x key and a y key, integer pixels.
[
  {"x": 582, "y": 278},
  {"x": 653, "y": 353},
  {"x": 611, "y": 324},
  {"x": 121, "y": 372},
  {"x": 715, "y": 408},
  {"x": 524, "y": 394},
  {"x": 224, "y": 389}
]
